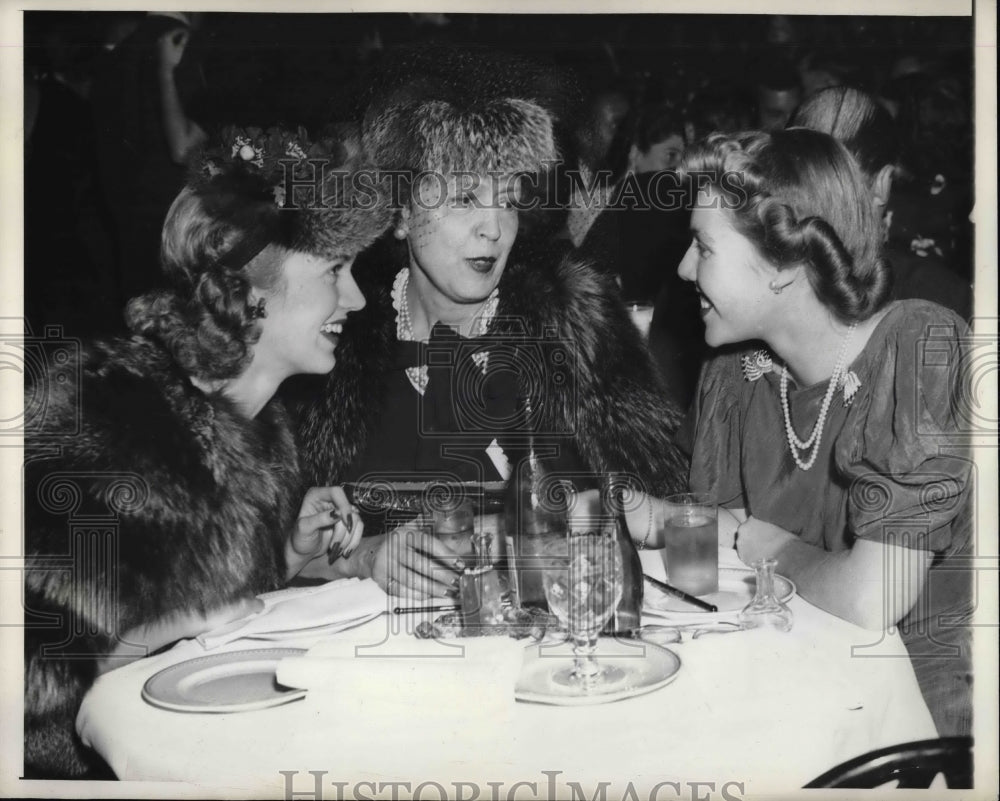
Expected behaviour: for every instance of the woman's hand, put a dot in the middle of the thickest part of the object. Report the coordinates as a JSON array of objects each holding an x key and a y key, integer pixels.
[
  {"x": 328, "y": 523},
  {"x": 870, "y": 584},
  {"x": 757, "y": 539},
  {"x": 411, "y": 563},
  {"x": 172, "y": 46},
  {"x": 729, "y": 522}
]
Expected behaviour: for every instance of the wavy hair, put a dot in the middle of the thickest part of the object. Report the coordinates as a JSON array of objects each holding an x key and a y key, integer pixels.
[
  {"x": 799, "y": 197},
  {"x": 221, "y": 240}
]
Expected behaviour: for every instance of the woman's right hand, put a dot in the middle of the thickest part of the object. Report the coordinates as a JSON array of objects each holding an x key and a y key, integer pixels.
[
  {"x": 327, "y": 523},
  {"x": 411, "y": 563}
]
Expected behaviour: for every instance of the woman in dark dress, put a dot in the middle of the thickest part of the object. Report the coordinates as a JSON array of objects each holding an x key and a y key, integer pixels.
[
  {"x": 162, "y": 486},
  {"x": 462, "y": 324},
  {"x": 830, "y": 426}
]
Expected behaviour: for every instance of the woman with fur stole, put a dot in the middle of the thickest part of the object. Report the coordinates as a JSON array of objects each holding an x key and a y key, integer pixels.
[
  {"x": 161, "y": 489},
  {"x": 461, "y": 329}
]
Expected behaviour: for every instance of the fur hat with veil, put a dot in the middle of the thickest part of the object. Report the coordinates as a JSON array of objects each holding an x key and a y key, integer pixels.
[{"x": 474, "y": 110}]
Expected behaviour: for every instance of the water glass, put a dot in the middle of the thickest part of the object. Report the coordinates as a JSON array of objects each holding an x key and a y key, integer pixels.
[
  {"x": 583, "y": 585},
  {"x": 453, "y": 524},
  {"x": 691, "y": 542}
]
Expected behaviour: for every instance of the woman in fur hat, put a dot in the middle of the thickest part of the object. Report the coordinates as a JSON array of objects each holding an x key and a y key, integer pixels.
[
  {"x": 162, "y": 485},
  {"x": 461, "y": 326}
]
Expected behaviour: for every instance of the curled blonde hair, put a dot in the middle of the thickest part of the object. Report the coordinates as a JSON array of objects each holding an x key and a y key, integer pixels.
[{"x": 206, "y": 320}]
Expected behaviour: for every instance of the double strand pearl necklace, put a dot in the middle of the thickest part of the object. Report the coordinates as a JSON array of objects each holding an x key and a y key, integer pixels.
[
  {"x": 418, "y": 376},
  {"x": 794, "y": 443}
]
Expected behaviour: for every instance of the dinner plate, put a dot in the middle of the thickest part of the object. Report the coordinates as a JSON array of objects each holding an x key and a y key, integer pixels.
[
  {"x": 237, "y": 681},
  {"x": 646, "y": 667},
  {"x": 736, "y": 589}
]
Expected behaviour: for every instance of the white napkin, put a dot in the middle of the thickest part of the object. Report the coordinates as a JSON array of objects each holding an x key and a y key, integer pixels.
[
  {"x": 324, "y": 609},
  {"x": 429, "y": 680}
]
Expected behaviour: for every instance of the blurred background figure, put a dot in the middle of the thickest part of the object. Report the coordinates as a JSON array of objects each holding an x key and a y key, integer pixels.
[
  {"x": 719, "y": 109},
  {"x": 68, "y": 247},
  {"x": 642, "y": 236},
  {"x": 605, "y": 114},
  {"x": 146, "y": 98},
  {"x": 933, "y": 191},
  {"x": 635, "y": 236},
  {"x": 820, "y": 69},
  {"x": 602, "y": 152},
  {"x": 658, "y": 143},
  {"x": 870, "y": 134},
  {"x": 777, "y": 93},
  {"x": 780, "y": 31}
]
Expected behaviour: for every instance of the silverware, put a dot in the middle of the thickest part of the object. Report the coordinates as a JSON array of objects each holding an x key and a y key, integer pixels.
[
  {"x": 671, "y": 590},
  {"x": 400, "y": 610},
  {"x": 669, "y": 634}
]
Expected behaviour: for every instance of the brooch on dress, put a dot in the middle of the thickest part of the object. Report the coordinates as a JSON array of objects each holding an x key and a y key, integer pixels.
[
  {"x": 760, "y": 362},
  {"x": 851, "y": 384},
  {"x": 756, "y": 364},
  {"x": 418, "y": 376}
]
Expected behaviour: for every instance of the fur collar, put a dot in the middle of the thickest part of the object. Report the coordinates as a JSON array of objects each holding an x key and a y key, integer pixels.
[
  {"x": 201, "y": 497},
  {"x": 607, "y": 397}
]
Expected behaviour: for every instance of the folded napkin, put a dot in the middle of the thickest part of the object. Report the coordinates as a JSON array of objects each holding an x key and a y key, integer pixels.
[
  {"x": 324, "y": 609},
  {"x": 428, "y": 680}
]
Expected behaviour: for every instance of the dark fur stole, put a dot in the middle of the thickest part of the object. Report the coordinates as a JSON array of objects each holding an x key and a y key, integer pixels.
[{"x": 144, "y": 498}]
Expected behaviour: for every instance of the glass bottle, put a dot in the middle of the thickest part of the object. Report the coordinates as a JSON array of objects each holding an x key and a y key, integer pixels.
[
  {"x": 765, "y": 610},
  {"x": 534, "y": 511},
  {"x": 628, "y": 614}
]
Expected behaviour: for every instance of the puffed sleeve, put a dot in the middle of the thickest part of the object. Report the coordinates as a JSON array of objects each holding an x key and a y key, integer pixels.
[
  {"x": 908, "y": 471},
  {"x": 711, "y": 434}
]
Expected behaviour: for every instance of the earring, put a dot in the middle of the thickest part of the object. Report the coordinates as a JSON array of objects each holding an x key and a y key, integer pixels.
[
  {"x": 400, "y": 232},
  {"x": 258, "y": 312},
  {"x": 775, "y": 287}
]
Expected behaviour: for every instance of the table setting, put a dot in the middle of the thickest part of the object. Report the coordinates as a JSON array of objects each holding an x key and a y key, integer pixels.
[{"x": 736, "y": 680}]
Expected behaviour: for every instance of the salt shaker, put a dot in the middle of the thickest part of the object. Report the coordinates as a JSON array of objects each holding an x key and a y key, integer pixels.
[{"x": 765, "y": 610}]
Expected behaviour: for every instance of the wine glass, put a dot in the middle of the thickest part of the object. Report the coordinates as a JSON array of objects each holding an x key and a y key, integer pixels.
[{"x": 583, "y": 584}]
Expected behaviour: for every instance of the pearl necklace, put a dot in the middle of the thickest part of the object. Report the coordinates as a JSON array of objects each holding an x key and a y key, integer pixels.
[
  {"x": 794, "y": 443},
  {"x": 418, "y": 376}
]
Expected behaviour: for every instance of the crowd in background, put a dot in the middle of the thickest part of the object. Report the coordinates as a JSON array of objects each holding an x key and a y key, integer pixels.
[{"x": 629, "y": 93}]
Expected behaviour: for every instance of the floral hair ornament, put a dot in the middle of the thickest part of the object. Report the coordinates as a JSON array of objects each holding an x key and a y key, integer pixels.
[
  {"x": 326, "y": 214},
  {"x": 270, "y": 152}
]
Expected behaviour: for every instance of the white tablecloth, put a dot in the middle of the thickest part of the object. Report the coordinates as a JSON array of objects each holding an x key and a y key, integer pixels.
[{"x": 750, "y": 712}]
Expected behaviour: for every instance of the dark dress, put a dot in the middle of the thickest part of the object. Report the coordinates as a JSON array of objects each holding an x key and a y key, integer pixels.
[
  {"x": 560, "y": 335},
  {"x": 892, "y": 467},
  {"x": 446, "y": 431}
]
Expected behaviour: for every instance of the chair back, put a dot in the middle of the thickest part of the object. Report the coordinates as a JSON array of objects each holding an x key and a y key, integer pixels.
[{"x": 913, "y": 765}]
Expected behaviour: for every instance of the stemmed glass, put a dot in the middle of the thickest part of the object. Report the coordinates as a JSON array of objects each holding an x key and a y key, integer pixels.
[{"x": 582, "y": 577}]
